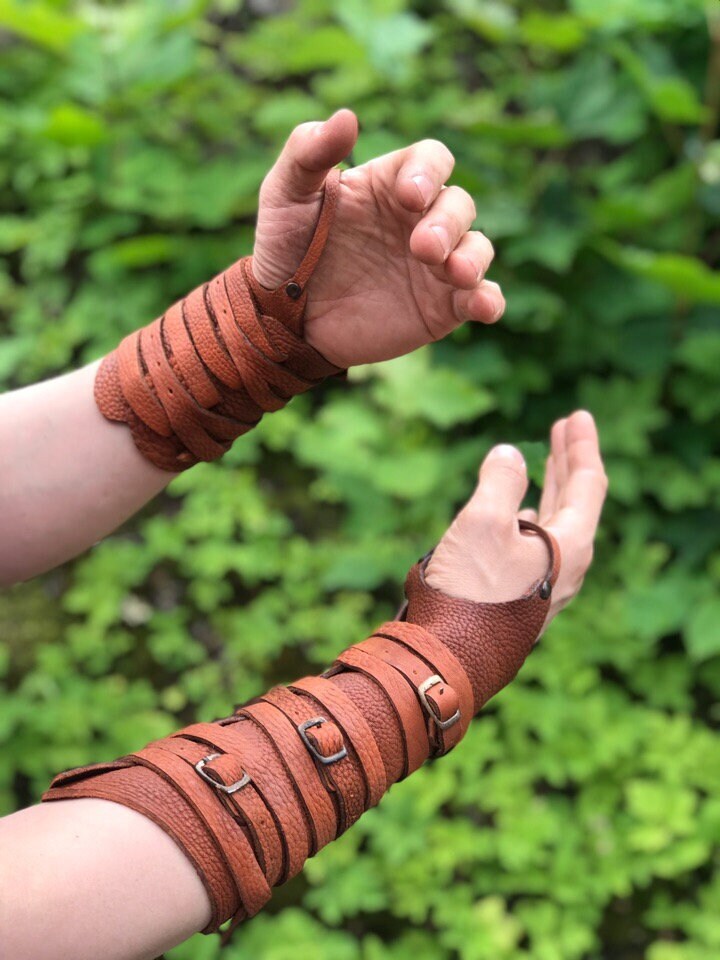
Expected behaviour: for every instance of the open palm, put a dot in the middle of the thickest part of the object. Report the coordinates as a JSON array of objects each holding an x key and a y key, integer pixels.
[{"x": 401, "y": 267}]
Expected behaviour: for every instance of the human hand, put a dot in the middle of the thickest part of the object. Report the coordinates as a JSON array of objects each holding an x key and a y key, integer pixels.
[
  {"x": 484, "y": 556},
  {"x": 401, "y": 267}
]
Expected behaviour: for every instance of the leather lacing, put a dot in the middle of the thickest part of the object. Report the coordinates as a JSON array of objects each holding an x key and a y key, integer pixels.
[{"x": 205, "y": 372}]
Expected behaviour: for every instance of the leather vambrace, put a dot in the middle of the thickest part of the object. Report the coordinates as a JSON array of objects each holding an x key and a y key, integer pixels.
[
  {"x": 204, "y": 373},
  {"x": 250, "y": 797}
]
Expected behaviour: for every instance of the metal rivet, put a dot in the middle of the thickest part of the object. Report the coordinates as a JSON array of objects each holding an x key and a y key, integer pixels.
[
  {"x": 545, "y": 590},
  {"x": 293, "y": 290}
]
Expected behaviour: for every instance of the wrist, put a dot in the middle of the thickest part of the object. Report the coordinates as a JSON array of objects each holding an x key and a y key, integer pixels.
[{"x": 205, "y": 372}]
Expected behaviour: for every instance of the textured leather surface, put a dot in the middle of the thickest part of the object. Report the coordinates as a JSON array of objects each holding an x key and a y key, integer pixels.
[
  {"x": 143, "y": 790},
  {"x": 247, "y": 805},
  {"x": 342, "y": 778},
  {"x": 366, "y": 708},
  {"x": 490, "y": 640},
  {"x": 439, "y": 657},
  {"x": 403, "y": 702},
  {"x": 198, "y": 377},
  {"x": 318, "y": 809},
  {"x": 442, "y": 700},
  {"x": 359, "y": 736},
  {"x": 251, "y": 886}
]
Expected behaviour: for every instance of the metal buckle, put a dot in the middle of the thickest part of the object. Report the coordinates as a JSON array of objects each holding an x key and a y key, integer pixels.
[
  {"x": 433, "y": 681},
  {"x": 223, "y": 788},
  {"x": 317, "y": 722}
]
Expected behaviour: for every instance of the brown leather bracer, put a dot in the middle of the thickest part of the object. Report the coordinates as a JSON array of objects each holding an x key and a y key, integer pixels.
[
  {"x": 203, "y": 373},
  {"x": 250, "y": 797}
]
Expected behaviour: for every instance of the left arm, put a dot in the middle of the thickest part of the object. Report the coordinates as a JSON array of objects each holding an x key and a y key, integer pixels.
[{"x": 401, "y": 268}]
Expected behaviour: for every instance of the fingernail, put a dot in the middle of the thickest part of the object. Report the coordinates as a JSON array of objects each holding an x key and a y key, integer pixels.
[
  {"x": 498, "y": 299},
  {"x": 424, "y": 188},
  {"x": 444, "y": 238},
  {"x": 505, "y": 451}
]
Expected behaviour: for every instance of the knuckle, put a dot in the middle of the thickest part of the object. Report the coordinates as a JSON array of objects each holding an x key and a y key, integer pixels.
[
  {"x": 444, "y": 218},
  {"x": 459, "y": 197},
  {"x": 483, "y": 251},
  {"x": 574, "y": 587},
  {"x": 594, "y": 478}
]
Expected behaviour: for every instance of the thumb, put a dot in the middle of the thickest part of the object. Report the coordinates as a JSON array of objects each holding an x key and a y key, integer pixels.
[
  {"x": 483, "y": 557},
  {"x": 502, "y": 486},
  {"x": 311, "y": 150}
]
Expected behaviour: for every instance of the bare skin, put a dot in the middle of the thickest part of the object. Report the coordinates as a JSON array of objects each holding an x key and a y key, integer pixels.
[
  {"x": 400, "y": 249},
  {"x": 126, "y": 891},
  {"x": 386, "y": 285},
  {"x": 573, "y": 494}
]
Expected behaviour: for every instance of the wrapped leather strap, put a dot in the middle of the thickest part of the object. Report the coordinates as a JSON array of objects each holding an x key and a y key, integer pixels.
[
  {"x": 319, "y": 810},
  {"x": 264, "y": 767},
  {"x": 325, "y": 746},
  {"x": 439, "y": 701},
  {"x": 195, "y": 379},
  {"x": 250, "y": 882},
  {"x": 355, "y": 728},
  {"x": 404, "y": 702},
  {"x": 437, "y": 655},
  {"x": 250, "y": 797},
  {"x": 205, "y": 742}
]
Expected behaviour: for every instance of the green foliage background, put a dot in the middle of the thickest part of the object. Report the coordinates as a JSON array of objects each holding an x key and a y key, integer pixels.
[{"x": 582, "y": 817}]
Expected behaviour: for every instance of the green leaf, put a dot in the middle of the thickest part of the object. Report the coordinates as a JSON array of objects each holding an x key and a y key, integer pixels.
[
  {"x": 702, "y": 632},
  {"x": 687, "y": 277},
  {"x": 74, "y": 126},
  {"x": 672, "y": 97},
  {"x": 561, "y": 32},
  {"x": 40, "y": 22},
  {"x": 439, "y": 395}
]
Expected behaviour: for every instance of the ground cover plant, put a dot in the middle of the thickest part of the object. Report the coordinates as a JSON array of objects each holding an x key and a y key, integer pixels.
[{"x": 581, "y": 818}]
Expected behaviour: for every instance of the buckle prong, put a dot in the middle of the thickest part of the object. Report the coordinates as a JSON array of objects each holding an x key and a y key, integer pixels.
[
  {"x": 433, "y": 681},
  {"x": 223, "y": 788}
]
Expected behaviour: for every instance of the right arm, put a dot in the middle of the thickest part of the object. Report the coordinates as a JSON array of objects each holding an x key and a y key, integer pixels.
[{"x": 84, "y": 878}]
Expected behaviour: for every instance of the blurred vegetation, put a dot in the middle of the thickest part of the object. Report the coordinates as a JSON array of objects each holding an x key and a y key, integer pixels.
[{"x": 582, "y": 817}]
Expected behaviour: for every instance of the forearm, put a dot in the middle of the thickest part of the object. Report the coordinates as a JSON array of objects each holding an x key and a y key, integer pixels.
[
  {"x": 68, "y": 477},
  {"x": 83, "y": 452},
  {"x": 82, "y": 878},
  {"x": 88, "y": 879},
  {"x": 387, "y": 704},
  {"x": 128, "y": 892}
]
